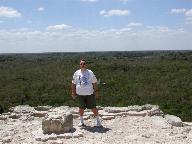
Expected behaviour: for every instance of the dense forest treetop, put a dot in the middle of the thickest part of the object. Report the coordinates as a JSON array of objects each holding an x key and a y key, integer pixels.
[{"x": 126, "y": 78}]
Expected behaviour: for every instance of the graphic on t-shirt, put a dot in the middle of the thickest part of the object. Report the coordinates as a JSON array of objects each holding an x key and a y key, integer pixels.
[{"x": 83, "y": 80}]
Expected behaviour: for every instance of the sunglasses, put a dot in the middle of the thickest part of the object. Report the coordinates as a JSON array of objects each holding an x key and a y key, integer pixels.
[{"x": 82, "y": 63}]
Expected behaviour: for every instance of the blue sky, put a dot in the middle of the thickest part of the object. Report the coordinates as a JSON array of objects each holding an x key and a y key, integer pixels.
[{"x": 30, "y": 26}]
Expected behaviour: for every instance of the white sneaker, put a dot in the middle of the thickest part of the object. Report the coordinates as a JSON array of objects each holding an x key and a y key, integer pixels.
[
  {"x": 97, "y": 123},
  {"x": 81, "y": 124}
]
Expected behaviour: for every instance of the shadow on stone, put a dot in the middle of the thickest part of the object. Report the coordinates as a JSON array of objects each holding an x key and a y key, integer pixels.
[
  {"x": 96, "y": 129},
  {"x": 72, "y": 130}
]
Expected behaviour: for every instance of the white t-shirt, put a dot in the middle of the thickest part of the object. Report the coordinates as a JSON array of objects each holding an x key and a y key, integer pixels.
[{"x": 83, "y": 81}]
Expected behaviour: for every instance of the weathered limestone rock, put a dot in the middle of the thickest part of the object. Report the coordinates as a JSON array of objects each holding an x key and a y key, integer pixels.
[
  {"x": 43, "y": 108},
  {"x": 86, "y": 117},
  {"x": 7, "y": 139},
  {"x": 155, "y": 111},
  {"x": 88, "y": 113},
  {"x": 174, "y": 120},
  {"x": 57, "y": 122},
  {"x": 107, "y": 114},
  {"x": 39, "y": 136},
  {"x": 187, "y": 123},
  {"x": 61, "y": 109},
  {"x": 7, "y": 114},
  {"x": 135, "y": 108},
  {"x": 75, "y": 116},
  {"x": 120, "y": 125},
  {"x": 160, "y": 123},
  {"x": 149, "y": 107},
  {"x": 22, "y": 109},
  {"x": 14, "y": 116},
  {"x": 108, "y": 117},
  {"x": 3, "y": 117},
  {"x": 39, "y": 113},
  {"x": 74, "y": 110},
  {"x": 116, "y": 109},
  {"x": 56, "y": 142},
  {"x": 99, "y": 107},
  {"x": 135, "y": 113}
]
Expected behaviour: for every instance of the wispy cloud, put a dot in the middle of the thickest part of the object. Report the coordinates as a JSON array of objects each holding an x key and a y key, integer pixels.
[
  {"x": 115, "y": 12},
  {"x": 89, "y": 0},
  {"x": 125, "y": 38},
  {"x": 124, "y": 1},
  {"x": 185, "y": 12},
  {"x": 40, "y": 9},
  {"x": 178, "y": 11},
  {"x": 1, "y": 21},
  {"x": 9, "y": 12},
  {"x": 58, "y": 27},
  {"x": 188, "y": 19},
  {"x": 134, "y": 24},
  {"x": 188, "y": 13}
]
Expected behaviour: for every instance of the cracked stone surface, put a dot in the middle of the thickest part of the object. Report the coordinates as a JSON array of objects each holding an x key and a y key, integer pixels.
[{"x": 132, "y": 124}]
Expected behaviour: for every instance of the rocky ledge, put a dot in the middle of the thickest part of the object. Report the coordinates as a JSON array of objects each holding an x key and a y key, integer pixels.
[{"x": 58, "y": 125}]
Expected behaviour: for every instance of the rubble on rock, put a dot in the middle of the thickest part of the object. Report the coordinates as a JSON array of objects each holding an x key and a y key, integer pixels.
[{"x": 58, "y": 125}]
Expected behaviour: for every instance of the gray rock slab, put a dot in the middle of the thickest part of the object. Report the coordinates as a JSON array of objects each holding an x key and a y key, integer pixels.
[
  {"x": 57, "y": 122},
  {"x": 116, "y": 109},
  {"x": 135, "y": 113},
  {"x": 43, "y": 108},
  {"x": 174, "y": 120},
  {"x": 22, "y": 109},
  {"x": 39, "y": 113},
  {"x": 107, "y": 117}
]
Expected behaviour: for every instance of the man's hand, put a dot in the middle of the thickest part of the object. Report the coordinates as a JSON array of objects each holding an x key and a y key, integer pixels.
[
  {"x": 74, "y": 96},
  {"x": 73, "y": 88},
  {"x": 96, "y": 91},
  {"x": 97, "y": 95}
]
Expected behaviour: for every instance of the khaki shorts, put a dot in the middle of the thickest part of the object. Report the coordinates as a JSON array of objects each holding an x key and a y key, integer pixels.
[{"x": 87, "y": 101}]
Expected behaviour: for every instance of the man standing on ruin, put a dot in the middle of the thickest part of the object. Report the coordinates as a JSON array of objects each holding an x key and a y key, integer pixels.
[{"x": 85, "y": 89}]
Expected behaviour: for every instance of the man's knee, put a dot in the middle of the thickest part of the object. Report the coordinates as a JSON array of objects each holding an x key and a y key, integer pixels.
[
  {"x": 95, "y": 111},
  {"x": 81, "y": 109}
]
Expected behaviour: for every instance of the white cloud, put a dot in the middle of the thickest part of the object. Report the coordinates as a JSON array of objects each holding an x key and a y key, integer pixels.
[
  {"x": 1, "y": 21},
  {"x": 188, "y": 13},
  {"x": 115, "y": 12},
  {"x": 58, "y": 27},
  {"x": 158, "y": 29},
  {"x": 88, "y": 0},
  {"x": 125, "y": 29},
  {"x": 178, "y": 11},
  {"x": 102, "y": 12},
  {"x": 124, "y": 1},
  {"x": 133, "y": 24},
  {"x": 188, "y": 20},
  {"x": 9, "y": 12},
  {"x": 122, "y": 39},
  {"x": 163, "y": 29},
  {"x": 40, "y": 9}
]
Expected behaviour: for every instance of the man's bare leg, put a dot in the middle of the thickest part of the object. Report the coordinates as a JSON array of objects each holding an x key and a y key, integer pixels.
[
  {"x": 97, "y": 120},
  {"x": 95, "y": 111},
  {"x": 81, "y": 112}
]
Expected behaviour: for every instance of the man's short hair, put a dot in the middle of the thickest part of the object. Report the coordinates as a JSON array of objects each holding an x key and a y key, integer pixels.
[{"x": 83, "y": 60}]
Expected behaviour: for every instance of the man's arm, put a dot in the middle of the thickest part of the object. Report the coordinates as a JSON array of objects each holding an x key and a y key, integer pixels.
[
  {"x": 73, "y": 89},
  {"x": 96, "y": 90}
]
